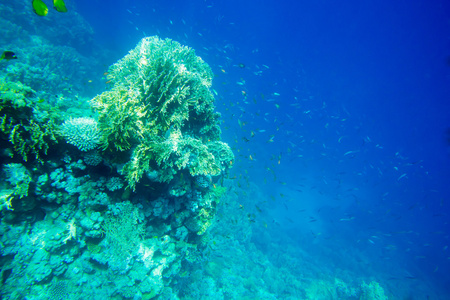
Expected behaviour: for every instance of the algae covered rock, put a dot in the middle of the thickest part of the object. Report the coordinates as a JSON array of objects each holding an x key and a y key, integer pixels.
[{"x": 161, "y": 109}]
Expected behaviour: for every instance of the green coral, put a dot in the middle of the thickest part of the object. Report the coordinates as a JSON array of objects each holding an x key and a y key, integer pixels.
[
  {"x": 161, "y": 107},
  {"x": 17, "y": 121},
  {"x": 170, "y": 156}
]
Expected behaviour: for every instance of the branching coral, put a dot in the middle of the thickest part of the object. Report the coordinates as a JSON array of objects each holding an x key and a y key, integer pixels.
[
  {"x": 18, "y": 124},
  {"x": 161, "y": 107}
]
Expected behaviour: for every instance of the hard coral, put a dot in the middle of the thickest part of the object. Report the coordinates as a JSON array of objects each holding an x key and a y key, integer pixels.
[
  {"x": 161, "y": 107},
  {"x": 19, "y": 124},
  {"x": 82, "y": 133}
]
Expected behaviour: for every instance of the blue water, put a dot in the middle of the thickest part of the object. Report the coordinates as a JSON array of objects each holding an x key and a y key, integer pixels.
[{"x": 338, "y": 114}]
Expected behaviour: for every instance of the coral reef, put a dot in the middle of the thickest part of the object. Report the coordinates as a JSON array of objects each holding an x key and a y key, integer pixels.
[
  {"x": 127, "y": 196},
  {"x": 133, "y": 190},
  {"x": 161, "y": 107}
]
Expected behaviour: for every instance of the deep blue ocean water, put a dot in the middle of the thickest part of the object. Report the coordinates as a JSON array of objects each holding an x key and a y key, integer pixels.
[{"x": 338, "y": 113}]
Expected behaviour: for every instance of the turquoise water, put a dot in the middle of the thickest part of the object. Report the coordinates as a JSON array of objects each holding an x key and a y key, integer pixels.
[{"x": 225, "y": 150}]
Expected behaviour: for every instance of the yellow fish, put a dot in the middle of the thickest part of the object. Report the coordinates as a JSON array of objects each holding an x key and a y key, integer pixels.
[
  {"x": 59, "y": 5},
  {"x": 39, "y": 8}
]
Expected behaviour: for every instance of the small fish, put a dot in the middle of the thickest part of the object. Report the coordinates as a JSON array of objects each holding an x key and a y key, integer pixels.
[
  {"x": 242, "y": 66},
  {"x": 401, "y": 176},
  {"x": 8, "y": 55},
  {"x": 350, "y": 152},
  {"x": 168, "y": 132},
  {"x": 39, "y": 8}
]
